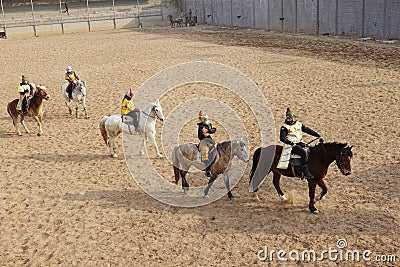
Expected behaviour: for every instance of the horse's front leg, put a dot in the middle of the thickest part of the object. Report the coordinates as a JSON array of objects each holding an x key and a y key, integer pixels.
[
  {"x": 228, "y": 187},
  {"x": 76, "y": 108},
  {"x": 312, "y": 183},
  {"x": 84, "y": 107},
  {"x": 38, "y": 120},
  {"x": 276, "y": 182},
  {"x": 141, "y": 151},
  {"x": 210, "y": 183},
  {"x": 154, "y": 142},
  {"x": 23, "y": 124},
  {"x": 321, "y": 184},
  {"x": 185, "y": 184},
  {"x": 15, "y": 122},
  {"x": 67, "y": 103}
]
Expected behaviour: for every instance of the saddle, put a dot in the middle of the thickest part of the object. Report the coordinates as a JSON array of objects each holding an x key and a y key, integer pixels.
[
  {"x": 207, "y": 151},
  {"x": 295, "y": 160},
  {"x": 132, "y": 118}
]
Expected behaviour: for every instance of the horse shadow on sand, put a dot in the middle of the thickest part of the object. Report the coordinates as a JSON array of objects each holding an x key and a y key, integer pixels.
[{"x": 271, "y": 215}]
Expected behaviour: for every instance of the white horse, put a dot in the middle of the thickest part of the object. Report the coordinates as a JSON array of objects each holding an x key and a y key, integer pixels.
[
  {"x": 112, "y": 126},
  {"x": 78, "y": 95}
]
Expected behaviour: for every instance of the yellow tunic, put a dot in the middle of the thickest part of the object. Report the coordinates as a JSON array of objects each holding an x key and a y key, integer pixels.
[
  {"x": 127, "y": 106},
  {"x": 71, "y": 76},
  {"x": 24, "y": 91}
]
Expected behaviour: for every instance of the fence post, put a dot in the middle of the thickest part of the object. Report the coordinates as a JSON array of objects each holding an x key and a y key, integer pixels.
[
  {"x": 337, "y": 18},
  {"x": 384, "y": 34},
  {"x": 363, "y": 20},
  {"x": 295, "y": 16},
  {"x": 254, "y": 14},
  {"x": 34, "y": 22},
  {"x": 212, "y": 13},
  {"x": 4, "y": 19},
  {"x": 268, "y": 16},
  {"x": 161, "y": 7},
  {"x": 62, "y": 21},
  {"x": 88, "y": 14},
  {"x": 281, "y": 18},
  {"x": 113, "y": 10},
  {"x": 204, "y": 13},
  {"x": 138, "y": 14},
  {"x": 317, "y": 22}
]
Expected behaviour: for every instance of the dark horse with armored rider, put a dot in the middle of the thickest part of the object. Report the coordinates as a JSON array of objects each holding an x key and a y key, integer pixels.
[{"x": 296, "y": 159}]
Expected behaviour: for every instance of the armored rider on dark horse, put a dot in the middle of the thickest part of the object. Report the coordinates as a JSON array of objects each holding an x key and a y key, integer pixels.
[{"x": 291, "y": 135}]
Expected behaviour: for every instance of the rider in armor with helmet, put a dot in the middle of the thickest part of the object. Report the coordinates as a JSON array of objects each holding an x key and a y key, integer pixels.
[
  {"x": 205, "y": 130},
  {"x": 291, "y": 135},
  {"x": 72, "y": 77}
]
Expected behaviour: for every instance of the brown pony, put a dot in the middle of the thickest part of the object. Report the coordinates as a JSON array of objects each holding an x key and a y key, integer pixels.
[
  {"x": 321, "y": 156},
  {"x": 34, "y": 110},
  {"x": 185, "y": 155}
]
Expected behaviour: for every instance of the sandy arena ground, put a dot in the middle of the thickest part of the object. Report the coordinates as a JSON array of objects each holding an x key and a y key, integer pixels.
[{"x": 65, "y": 202}]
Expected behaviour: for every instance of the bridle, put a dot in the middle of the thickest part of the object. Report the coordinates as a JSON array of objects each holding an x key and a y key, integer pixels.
[
  {"x": 339, "y": 162},
  {"x": 154, "y": 117}
]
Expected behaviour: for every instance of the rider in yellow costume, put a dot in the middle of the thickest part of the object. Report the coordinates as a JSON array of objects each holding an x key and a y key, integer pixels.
[
  {"x": 25, "y": 91},
  {"x": 127, "y": 106},
  {"x": 72, "y": 77}
]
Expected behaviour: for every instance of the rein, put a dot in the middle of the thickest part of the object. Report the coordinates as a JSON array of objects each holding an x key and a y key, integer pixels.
[
  {"x": 154, "y": 117},
  {"x": 339, "y": 163}
]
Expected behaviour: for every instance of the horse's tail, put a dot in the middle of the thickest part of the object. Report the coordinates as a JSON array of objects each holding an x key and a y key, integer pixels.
[
  {"x": 10, "y": 112},
  {"x": 256, "y": 159},
  {"x": 175, "y": 162},
  {"x": 103, "y": 129}
]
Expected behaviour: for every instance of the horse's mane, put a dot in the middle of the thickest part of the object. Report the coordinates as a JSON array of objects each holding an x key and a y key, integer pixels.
[
  {"x": 331, "y": 145},
  {"x": 224, "y": 145}
]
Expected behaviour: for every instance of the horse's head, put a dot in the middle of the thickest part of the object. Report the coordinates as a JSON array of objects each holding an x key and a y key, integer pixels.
[
  {"x": 343, "y": 160},
  {"x": 240, "y": 150},
  {"x": 41, "y": 92},
  {"x": 157, "y": 110}
]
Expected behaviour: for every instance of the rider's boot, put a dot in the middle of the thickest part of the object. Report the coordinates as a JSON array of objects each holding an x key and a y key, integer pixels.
[{"x": 306, "y": 172}]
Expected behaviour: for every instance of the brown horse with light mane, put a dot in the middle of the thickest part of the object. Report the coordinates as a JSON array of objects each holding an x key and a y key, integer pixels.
[
  {"x": 266, "y": 159},
  {"x": 34, "y": 110}
]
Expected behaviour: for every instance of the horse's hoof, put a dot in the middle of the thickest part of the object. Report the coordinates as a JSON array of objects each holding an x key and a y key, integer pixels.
[
  {"x": 114, "y": 156},
  {"x": 160, "y": 155},
  {"x": 256, "y": 197},
  {"x": 206, "y": 196},
  {"x": 315, "y": 211},
  {"x": 39, "y": 134},
  {"x": 19, "y": 134},
  {"x": 233, "y": 198},
  {"x": 283, "y": 197}
]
